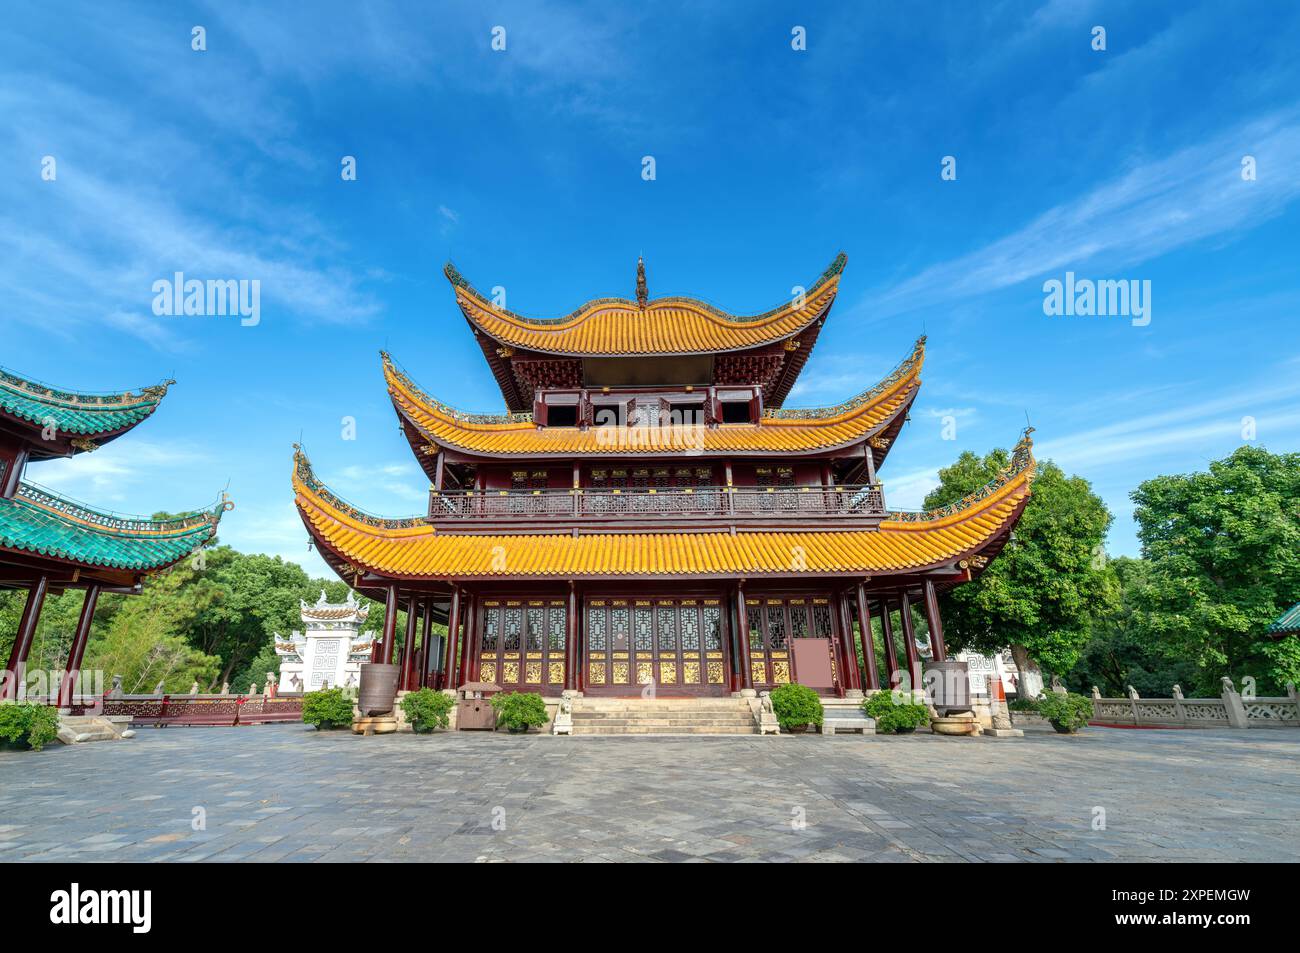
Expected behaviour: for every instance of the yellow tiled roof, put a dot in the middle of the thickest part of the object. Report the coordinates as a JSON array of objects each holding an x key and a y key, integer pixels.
[
  {"x": 413, "y": 549},
  {"x": 780, "y": 431},
  {"x": 618, "y": 326}
]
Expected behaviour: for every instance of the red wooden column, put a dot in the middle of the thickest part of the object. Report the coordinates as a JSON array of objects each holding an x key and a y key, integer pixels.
[
  {"x": 407, "y": 678},
  {"x": 426, "y": 644},
  {"x": 78, "y": 650},
  {"x": 891, "y": 652},
  {"x": 468, "y": 643},
  {"x": 445, "y": 678},
  {"x": 852, "y": 679},
  {"x": 572, "y": 654},
  {"x": 742, "y": 640},
  {"x": 388, "y": 641},
  {"x": 13, "y": 672},
  {"x": 937, "y": 648},
  {"x": 909, "y": 636},
  {"x": 870, "y": 672}
]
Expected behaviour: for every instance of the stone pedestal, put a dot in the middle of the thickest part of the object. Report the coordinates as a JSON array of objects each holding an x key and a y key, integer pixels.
[
  {"x": 958, "y": 725},
  {"x": 375, "y": 725}
]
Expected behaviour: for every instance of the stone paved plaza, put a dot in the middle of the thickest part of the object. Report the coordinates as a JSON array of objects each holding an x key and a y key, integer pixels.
[{"x": 285, "y": 792}]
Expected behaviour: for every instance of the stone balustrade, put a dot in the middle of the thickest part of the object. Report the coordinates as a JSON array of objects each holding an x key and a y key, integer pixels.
[{"x": 1230, "y": 710}]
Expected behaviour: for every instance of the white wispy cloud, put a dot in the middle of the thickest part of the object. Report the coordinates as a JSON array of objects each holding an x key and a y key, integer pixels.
[{"x": 1157, "y": 206}]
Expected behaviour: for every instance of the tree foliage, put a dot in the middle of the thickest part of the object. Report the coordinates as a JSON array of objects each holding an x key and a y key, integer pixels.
[
  {"x": 1041, "y": 592},
  {"x": 1223, "y": 554}
]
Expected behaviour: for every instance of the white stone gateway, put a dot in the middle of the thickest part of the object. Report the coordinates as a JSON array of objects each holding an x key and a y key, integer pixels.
[
  {"x": 330, "y": 650},
  {"x": 980, "y": 667}
]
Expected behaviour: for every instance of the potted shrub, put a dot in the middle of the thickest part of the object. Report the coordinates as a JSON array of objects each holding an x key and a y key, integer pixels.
[
  {"x": 426, "y": 710},
  {"x": 796, "y": 707},
  {"x": 1066, "y": 711},
  {"x": 328, "y": 708},
  {"x": 519, "y": 711},
  {"x": 895, "y": 715},
  {"x": 31, "y": 726}
]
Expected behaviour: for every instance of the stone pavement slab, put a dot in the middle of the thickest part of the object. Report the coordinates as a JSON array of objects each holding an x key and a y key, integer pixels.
[{"x": 286, "y": 792}]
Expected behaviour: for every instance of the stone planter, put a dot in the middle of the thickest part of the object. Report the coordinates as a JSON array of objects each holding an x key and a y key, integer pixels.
[{"x": 953, "y": 725}]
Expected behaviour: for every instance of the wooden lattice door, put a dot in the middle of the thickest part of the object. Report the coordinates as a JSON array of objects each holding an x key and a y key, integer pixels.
[{"x": 522, "y": 644}]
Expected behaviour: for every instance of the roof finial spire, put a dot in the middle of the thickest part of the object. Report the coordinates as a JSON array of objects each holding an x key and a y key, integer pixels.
[{"x": 642, "y": 293}]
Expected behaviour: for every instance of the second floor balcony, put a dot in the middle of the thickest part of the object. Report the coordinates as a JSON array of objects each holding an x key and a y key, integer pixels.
[{"x": 710, "y": 503}]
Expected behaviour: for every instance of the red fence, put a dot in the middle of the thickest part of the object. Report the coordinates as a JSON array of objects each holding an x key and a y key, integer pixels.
[{"x": 224, "y": 710}]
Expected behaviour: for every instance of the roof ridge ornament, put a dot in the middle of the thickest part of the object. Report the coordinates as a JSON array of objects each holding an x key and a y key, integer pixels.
[{"x": 642, "y": 291}]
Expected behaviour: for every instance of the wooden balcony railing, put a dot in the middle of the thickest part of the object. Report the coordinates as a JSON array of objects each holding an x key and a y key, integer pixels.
[{"x": 709, "y": 501}]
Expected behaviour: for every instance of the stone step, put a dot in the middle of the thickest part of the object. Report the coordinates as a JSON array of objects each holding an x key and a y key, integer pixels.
[
  {"x": 665, "y": 722},
  {"x": 663, "y": 713},
  {"x": 640, "y": 729}
]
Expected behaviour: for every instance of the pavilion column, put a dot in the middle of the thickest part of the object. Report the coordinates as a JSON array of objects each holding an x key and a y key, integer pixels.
[
  {"x": 572, "y": 655},
  {"x": 848, "y": 663},
  {"x": 13, "y": 674},
  {"x": 891, "y": 652},
  {"x": 453, "y": 636},
  {"x": 909, "y": 637},
  {"x": 426, "y": 644},
  {"x": 870, "y": 670},
  {"x": 389, "y": 641},
  {"x": 408, "y": 646},
  {"x": 78, "y": 650},
  {"x": 937, "y": 648},
  {"x": 742, "y": 640},
  {"x": 467, "y": 647}
]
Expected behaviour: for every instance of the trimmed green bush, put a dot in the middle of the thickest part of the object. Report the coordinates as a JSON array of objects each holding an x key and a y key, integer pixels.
[
  {"x": 329, "y": 708},
  {"x": 30, "y": 725},
  {"x": 796, "y": 706},
  {"x": 1024, "y": 704},
  {"x": 895, "y": 714},
  {"x": 1067, "y": 712},
  {"x": 426, "y": 710},
  {"x": 519, "y": 711}
]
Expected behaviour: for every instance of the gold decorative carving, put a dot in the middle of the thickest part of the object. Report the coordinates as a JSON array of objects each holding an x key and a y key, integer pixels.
[
  {"x": 668, "y": 673},
  {"x": 620, "y": 673},
  {"x": 488, "y": 671},
  {"x": 691, "y": 673},
  {"x": 780, "y": 673},
  {"x": 645, "y": 672},
  {"x": 596, "y": 673},
  {"x": 510, "y": 672},
  {"x": 715, "y": 673},
  {"x": 760, "y": 672},
  {"x": 555, "y": 674}
]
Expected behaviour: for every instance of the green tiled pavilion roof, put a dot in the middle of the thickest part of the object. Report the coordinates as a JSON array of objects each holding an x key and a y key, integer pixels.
[
  {"x": 40, "y": 522},
  {"x": 1287, "y": 623},
  {"x": 87, "y": 415}
]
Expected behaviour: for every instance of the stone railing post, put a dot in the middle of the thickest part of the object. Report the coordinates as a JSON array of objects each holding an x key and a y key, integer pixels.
[
  {"x": 1178, "y": 704},
  {"x": 1133, "y": 697},
  {"x": 1232, "y": 704}
]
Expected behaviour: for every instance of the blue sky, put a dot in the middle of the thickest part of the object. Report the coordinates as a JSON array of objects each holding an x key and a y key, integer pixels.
[{"x": 524, "y": 167}]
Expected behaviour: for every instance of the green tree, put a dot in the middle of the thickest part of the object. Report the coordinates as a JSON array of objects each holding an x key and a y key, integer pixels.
[
  {"x": 1119, "y": 653},
  {"x": 1039, "y": 594},
  {"x": 1224, "y": 554}
]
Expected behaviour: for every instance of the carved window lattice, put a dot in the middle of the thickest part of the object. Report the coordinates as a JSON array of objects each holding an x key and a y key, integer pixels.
[
  {"x": 491, "y": 629},
  {"x": 821, "y": 618},
  {"x": 644, "y": 639},
  {"x": 690, "y": 629},
  {"x": 514, "y": 622},
  {"x": 776, "y": 633},
  {"x": 755, "y": 629},
  {"x": 712, "y": 616},
  {"x": 557, "y": 621},
  {"x": 798, "y": 620},
  {"x": 596, "y": 630},
  {"x": 535, "y": 630},
  {"x": 618, "y": 624},
  {"x": 667, "y": 628}
]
